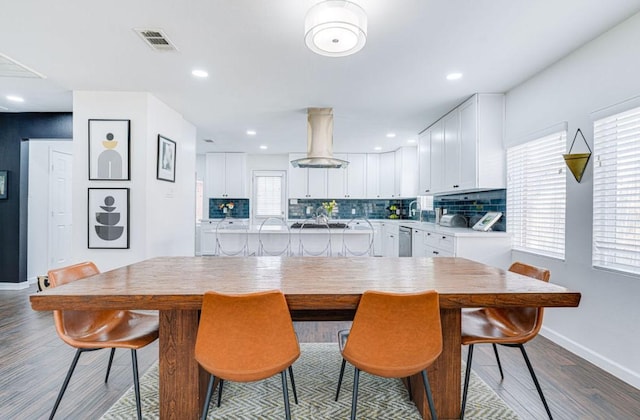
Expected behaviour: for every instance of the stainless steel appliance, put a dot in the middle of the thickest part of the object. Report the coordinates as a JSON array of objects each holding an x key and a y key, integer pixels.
[
  {"x": 405, "y": 242},
  {"x": 453, "y": 220}
]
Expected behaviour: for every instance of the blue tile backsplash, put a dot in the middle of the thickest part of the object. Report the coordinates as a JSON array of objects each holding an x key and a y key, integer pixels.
[
  {"x": 472, "y": 206},
  {"x": 240, "y": 208},
  {"x": 350, "y": 208}
]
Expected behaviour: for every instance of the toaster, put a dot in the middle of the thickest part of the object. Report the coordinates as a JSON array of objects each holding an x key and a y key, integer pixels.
[{"x": 453, "y": 220}]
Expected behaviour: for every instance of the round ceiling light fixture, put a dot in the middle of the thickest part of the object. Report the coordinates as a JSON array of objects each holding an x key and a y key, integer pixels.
[{"x": 335, "y": 28}]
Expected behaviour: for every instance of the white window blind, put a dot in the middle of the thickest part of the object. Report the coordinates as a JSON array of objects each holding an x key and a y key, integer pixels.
[
  {"x": 268, "y": 193},
  {"x": 616, "y": 192},
  {"x": 536, "y": 195}
]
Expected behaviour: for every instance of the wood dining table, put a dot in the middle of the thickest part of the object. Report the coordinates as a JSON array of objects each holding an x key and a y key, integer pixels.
[{"x": 316, "y": 289}]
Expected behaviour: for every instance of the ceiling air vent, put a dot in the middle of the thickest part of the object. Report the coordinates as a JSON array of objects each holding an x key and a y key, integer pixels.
[
  {"x": 156, "y": 39},
  {"x": 11, "y": 68}
]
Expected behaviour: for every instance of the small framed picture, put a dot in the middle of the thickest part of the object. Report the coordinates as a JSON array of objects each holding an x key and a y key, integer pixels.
[
  {"x": 487, "y": 221},
  {"x": 166, "y": 159},
  {"x": 108, "y": 218},
  {"x": 4, "y": 184},
  {"x": 109, "y": 150}
]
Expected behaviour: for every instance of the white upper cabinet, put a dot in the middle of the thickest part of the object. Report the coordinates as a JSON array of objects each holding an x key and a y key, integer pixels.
[
  {"x": 387, "y": 175},
  {"x": 225, "y": 175},
  {"x": 463, "y": 150},
  {"x": 424, "y": 163},
  {"x": 406, "y": 179},
  {"x": 348, "y": 182},
  {"x": 373, "y": 175},
  {"x": 306, "y": 182}
]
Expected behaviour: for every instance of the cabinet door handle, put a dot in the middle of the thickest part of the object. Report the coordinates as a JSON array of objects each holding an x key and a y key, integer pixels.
[
  {"x": 436, "y": 252},
  {"x": 444, "y": 237},
  {"x": 456, "y": 186}
]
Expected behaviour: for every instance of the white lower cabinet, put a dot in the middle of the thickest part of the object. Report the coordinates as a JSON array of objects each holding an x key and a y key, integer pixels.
[
  {"x": 377, "y": 238},
  {"x": 390, "y": 240},
  {"x": 208, "y": 238}
]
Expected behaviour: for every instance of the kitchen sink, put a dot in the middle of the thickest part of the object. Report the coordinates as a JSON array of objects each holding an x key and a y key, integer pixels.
[{"x": 336, "y": 225}]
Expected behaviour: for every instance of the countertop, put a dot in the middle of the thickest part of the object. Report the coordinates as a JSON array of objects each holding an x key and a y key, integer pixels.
[{"x": 454, "y": 231}]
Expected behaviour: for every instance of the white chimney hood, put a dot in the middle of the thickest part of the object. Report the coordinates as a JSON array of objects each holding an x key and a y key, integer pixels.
[{"x": 319, "y": 141}]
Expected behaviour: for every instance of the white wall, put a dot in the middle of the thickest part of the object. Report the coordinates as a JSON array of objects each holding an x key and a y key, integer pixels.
[
  {"x": 606, "y": 71},
  {"x": 159, "y": 211},
  {"x": 38, "y": 218}
]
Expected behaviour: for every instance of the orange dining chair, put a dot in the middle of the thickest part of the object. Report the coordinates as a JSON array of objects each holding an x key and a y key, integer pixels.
[
  {"x": 511, "y": 327},
  {"x": 246, "y": 338},
  {"x": 394, "y": 335},
  {"x": 95, "y": 330}
]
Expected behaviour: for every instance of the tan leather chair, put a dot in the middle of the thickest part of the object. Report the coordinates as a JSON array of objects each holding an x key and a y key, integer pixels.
[
  {"x": 394, "y": 336},
  {"x": 246, "y": 338},
  {"x": 94, "y": 330},
  {"x": 511, "y": 327}
]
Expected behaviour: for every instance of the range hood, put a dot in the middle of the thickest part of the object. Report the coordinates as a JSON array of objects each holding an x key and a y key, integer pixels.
[{"x": 319, "y": 141}]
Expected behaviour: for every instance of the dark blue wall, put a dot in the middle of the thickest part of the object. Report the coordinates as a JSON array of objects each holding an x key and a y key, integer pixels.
[{"x": 14, "y": 157}]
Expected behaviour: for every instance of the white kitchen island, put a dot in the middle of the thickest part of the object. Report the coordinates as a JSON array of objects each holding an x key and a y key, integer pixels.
[{"x": 316, "y": 241}]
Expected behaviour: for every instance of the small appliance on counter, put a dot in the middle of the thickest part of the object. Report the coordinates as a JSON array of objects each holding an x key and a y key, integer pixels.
[{"x": 453, "y": 220}]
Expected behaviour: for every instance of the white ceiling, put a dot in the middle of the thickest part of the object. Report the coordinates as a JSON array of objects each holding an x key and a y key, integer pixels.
[{"x": 262, "y": 76}]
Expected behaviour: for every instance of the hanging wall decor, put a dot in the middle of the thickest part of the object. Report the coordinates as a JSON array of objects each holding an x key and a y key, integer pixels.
[
  {"x": 109, "y": 150},
  {"x": 577, "y": 162},
  {"x": 4, "y": 184},
  {"x": 166, "y": 159},
  {"x": 108, "y": 218}
]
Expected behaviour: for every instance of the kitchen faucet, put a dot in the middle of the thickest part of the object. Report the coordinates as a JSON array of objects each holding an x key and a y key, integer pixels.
[{"x": 417, "y": 209}]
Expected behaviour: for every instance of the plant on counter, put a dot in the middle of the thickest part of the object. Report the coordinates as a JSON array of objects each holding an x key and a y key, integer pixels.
[
  {"x": 225, "y": 207},
  {"x": 330, "y": 207}
]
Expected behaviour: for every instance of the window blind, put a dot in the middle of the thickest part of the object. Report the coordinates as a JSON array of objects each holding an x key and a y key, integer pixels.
[
  {"x": 616, "y": 192},
  {"x": 268, "y": 195},
  {"x": 536, "y": 195}
]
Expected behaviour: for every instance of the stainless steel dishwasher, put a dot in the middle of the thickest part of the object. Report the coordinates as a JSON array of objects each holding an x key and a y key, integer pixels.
[{"x": 405, "y": 242}]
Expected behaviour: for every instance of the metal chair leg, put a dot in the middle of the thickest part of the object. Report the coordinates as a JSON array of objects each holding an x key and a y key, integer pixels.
[
  {"x": 136, "y": 382},
  {"x": 535, "y": 380},
  {"x": 285, "y": 393},
  {"x": 66, "y": 382},
  {"x": 409, "y": 388},
  {"x": 344, "y": 362},
  {"x": 354, "y": 400},
  {"x": 113, "y": 351},
  {"x": 427, "y": 388},
  {"x": 495, "y": 350},
  {"x": 467, "y": 375},
  {"x": 220, "y": 385},
  {"x": 207, "y": 400},
  {"x": 293, "y": 385}
]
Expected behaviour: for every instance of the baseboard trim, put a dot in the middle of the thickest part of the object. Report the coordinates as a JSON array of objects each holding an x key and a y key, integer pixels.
[
  {"x": 14, "y": 286},
  {"x": 621, "y": 372}
]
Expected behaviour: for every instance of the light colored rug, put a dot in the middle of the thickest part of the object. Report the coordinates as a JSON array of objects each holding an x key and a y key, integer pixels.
[{"x": 316, "y": 375}]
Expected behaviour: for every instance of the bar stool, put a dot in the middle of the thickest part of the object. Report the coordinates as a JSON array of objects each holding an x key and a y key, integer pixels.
[
  {"x": 232, "y": 237},
  {"x": 283, "y": 247},
  {"x": 349, "y": 249},
  {"x": 324, "y": 247}
]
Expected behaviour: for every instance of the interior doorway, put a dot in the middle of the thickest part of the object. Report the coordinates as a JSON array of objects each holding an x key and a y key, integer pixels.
[{"x": 49, "y": 206}]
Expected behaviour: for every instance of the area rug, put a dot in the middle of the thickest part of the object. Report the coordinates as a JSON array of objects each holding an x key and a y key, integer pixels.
[{"x": 316, "y": 375}]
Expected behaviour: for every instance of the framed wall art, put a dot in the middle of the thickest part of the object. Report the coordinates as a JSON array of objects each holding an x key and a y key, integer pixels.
[
  {"x": 166, "y": 159},
  {"x": 108, "y": 218},
  {"x": 4, "y": 184},
  {"x": 109, "y": 150}
]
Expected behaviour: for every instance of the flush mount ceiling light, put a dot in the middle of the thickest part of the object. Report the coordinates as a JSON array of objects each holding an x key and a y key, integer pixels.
[
  {"x": 454, "y": 76},
  {"x": 335, "y": 28},
  {"x": 200, "y": 73}
]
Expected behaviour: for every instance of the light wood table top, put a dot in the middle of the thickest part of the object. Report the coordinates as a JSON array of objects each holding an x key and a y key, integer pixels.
[{"x": 316, "y": 288}]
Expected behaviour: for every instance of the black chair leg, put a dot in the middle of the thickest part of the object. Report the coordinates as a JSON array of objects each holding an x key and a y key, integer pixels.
[
  {"x": 427, "y": 388},
  {"x": 344, "y": 362},
  {"x": 409, "y": 388},
  {"x": 113, "y": 351},
  {"x": 495, "y": 350},
  {"x": 285, "y": 393},
  {"x": 136, "y": 382},
  {"x": 293, "y": 386},
  {"x": 467, "y": 375},
  {"x": 66, "y": 382},
  {"x": 535, "y": 380},
  {"x": 220, "y": 385},
  {"x": 354, "y": 400},
  {"x": 207, "y": 400}
]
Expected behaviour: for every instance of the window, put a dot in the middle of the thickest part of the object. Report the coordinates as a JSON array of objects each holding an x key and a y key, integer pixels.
[
  {"x": 536, "y": 195},
  {"x": 268, "y": 194},
  {"x": 616, "y": 192}
]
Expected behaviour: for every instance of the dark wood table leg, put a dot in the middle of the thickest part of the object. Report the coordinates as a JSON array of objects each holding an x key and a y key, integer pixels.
[
  {"x": 444, "y": 374},
  {"x": 182, "y": 382}
]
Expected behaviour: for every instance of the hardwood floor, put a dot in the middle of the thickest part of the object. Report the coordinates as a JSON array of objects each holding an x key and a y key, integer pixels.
[{"x": 34, "y": 361}]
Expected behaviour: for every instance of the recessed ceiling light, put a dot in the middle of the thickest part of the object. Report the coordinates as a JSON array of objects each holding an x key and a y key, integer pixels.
[
  {"x": 377, "y": 148},
  {"x": 200, "y": 73},
  {"x": 391, "y": 135},
  {"x": 15, "y": 98},
  {"x": 251, "y": 132},
  {"x": 411, "y": 141},
  {"x": 263, "y": 147},
  {"x": 454, "y": 76}
]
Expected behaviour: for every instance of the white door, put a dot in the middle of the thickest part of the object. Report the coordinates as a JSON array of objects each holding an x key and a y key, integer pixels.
[{"x": 60, "y": 223}]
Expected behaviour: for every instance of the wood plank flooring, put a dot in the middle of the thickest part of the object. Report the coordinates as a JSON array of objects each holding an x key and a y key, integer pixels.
[{"x": 34, "y": 361}]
